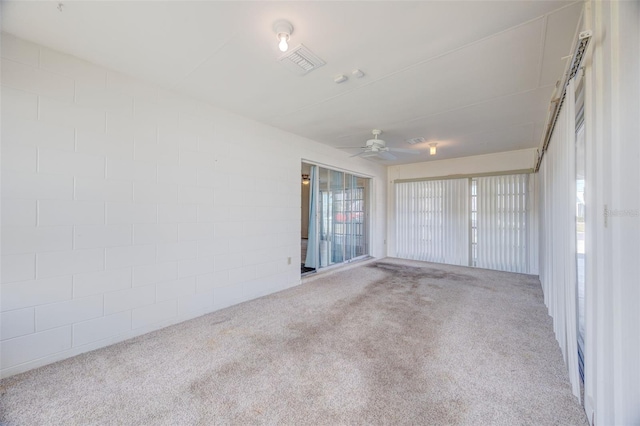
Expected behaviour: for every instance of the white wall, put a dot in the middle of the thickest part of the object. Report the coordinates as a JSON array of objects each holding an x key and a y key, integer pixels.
[
  {"x": 126, "y": 207},
  {"x": 489, "y": 163},
  {"x": 475, "y": 165},
  {"x": 612, "y": 82}
]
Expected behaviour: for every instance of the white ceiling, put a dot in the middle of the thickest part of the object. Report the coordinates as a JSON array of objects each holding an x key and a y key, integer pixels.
[{"x": 474, "y": 76}]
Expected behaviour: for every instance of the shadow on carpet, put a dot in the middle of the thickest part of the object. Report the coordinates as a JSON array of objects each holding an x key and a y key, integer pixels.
[{"x": 391, "y": 342}]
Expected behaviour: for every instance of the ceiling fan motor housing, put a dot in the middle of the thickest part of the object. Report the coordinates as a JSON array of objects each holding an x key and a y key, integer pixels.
[{"x": 376, "y": 143}]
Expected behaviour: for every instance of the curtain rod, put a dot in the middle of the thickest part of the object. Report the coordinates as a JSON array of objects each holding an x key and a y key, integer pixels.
[
  {"x": 466, "y": 176},
  {"x": 578, "y": 54}
]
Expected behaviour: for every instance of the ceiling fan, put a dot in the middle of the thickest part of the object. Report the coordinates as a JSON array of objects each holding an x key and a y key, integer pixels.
[{"x": 378, "y": 148}]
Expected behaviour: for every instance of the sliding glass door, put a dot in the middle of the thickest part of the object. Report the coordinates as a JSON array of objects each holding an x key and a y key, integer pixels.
[
  {"x": 355, "y": 214},
  {"x": 342, "y": 216}
]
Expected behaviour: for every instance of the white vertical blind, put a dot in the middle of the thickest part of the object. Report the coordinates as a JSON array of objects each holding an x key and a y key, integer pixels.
[
  {"x": 432, "y": 221},
  {"x": 557, "y": 235},
  {"x": 612, "y": 299},
  {"x": 502, "y": 234}
]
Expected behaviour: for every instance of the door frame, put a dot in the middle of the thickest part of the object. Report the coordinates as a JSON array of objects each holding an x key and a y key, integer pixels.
[{"x": 368, "y": 210}]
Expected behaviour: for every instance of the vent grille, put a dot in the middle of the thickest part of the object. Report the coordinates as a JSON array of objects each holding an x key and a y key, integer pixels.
[
  {"x": 416, "y": 140},
  {"x": 301, "y": 60}
]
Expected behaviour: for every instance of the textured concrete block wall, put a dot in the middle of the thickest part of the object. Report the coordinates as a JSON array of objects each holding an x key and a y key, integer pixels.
[{"x": 126, "y": 207}]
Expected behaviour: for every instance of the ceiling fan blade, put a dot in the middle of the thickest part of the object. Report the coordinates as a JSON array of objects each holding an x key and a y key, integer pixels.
[
  {"x": 405, "y": 151},
  {"x": 348, "y": 147},
  {"x": 387, "y": 155},
  {"x": 358, "y": 154},
  {"x": 367, "y": 154}
]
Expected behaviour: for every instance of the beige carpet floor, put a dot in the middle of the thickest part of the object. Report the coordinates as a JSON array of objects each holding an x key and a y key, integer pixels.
[{"x": 389, "y": 342}]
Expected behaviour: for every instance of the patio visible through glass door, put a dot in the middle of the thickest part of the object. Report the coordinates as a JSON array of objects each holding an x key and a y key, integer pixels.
[{"x": 342, "y": 216}]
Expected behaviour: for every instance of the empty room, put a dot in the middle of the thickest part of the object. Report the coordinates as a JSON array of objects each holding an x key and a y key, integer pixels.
[{"x": 322, "y": 213}]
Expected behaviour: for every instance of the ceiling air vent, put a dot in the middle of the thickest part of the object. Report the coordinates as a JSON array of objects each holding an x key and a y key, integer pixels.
[
  {"x": 416, "y": 140},
  {"x": 300, "y": 60}
]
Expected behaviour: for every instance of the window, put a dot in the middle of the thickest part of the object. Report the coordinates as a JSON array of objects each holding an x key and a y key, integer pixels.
[
  {"x": 431, "y": 221},
  {"x": 479, "y": 222},
  {"x": 502, "y": 242},
  {"x": 474, "y": 222}
]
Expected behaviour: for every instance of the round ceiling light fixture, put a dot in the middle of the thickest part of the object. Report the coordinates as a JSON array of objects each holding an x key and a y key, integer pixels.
[{"x": 283, "y": 30}]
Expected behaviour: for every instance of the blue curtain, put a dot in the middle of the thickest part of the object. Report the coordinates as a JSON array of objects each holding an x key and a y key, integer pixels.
[{"x": 312, "y": 243}]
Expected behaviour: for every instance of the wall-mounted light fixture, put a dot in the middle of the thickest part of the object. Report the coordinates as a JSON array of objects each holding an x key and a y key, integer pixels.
[
  {"x": 283, "y": 30},
  {"x": 432, "y": 148},
  {"x": 305, "y": 179}
]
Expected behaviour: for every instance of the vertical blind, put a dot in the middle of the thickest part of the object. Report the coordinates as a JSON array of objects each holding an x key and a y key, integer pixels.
[
  {"x": 432, "y": 223},
  {"x": 502, "y": 219},
  {"x": 557, "y": 235},
  {"x": 443, "y": 221}
]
